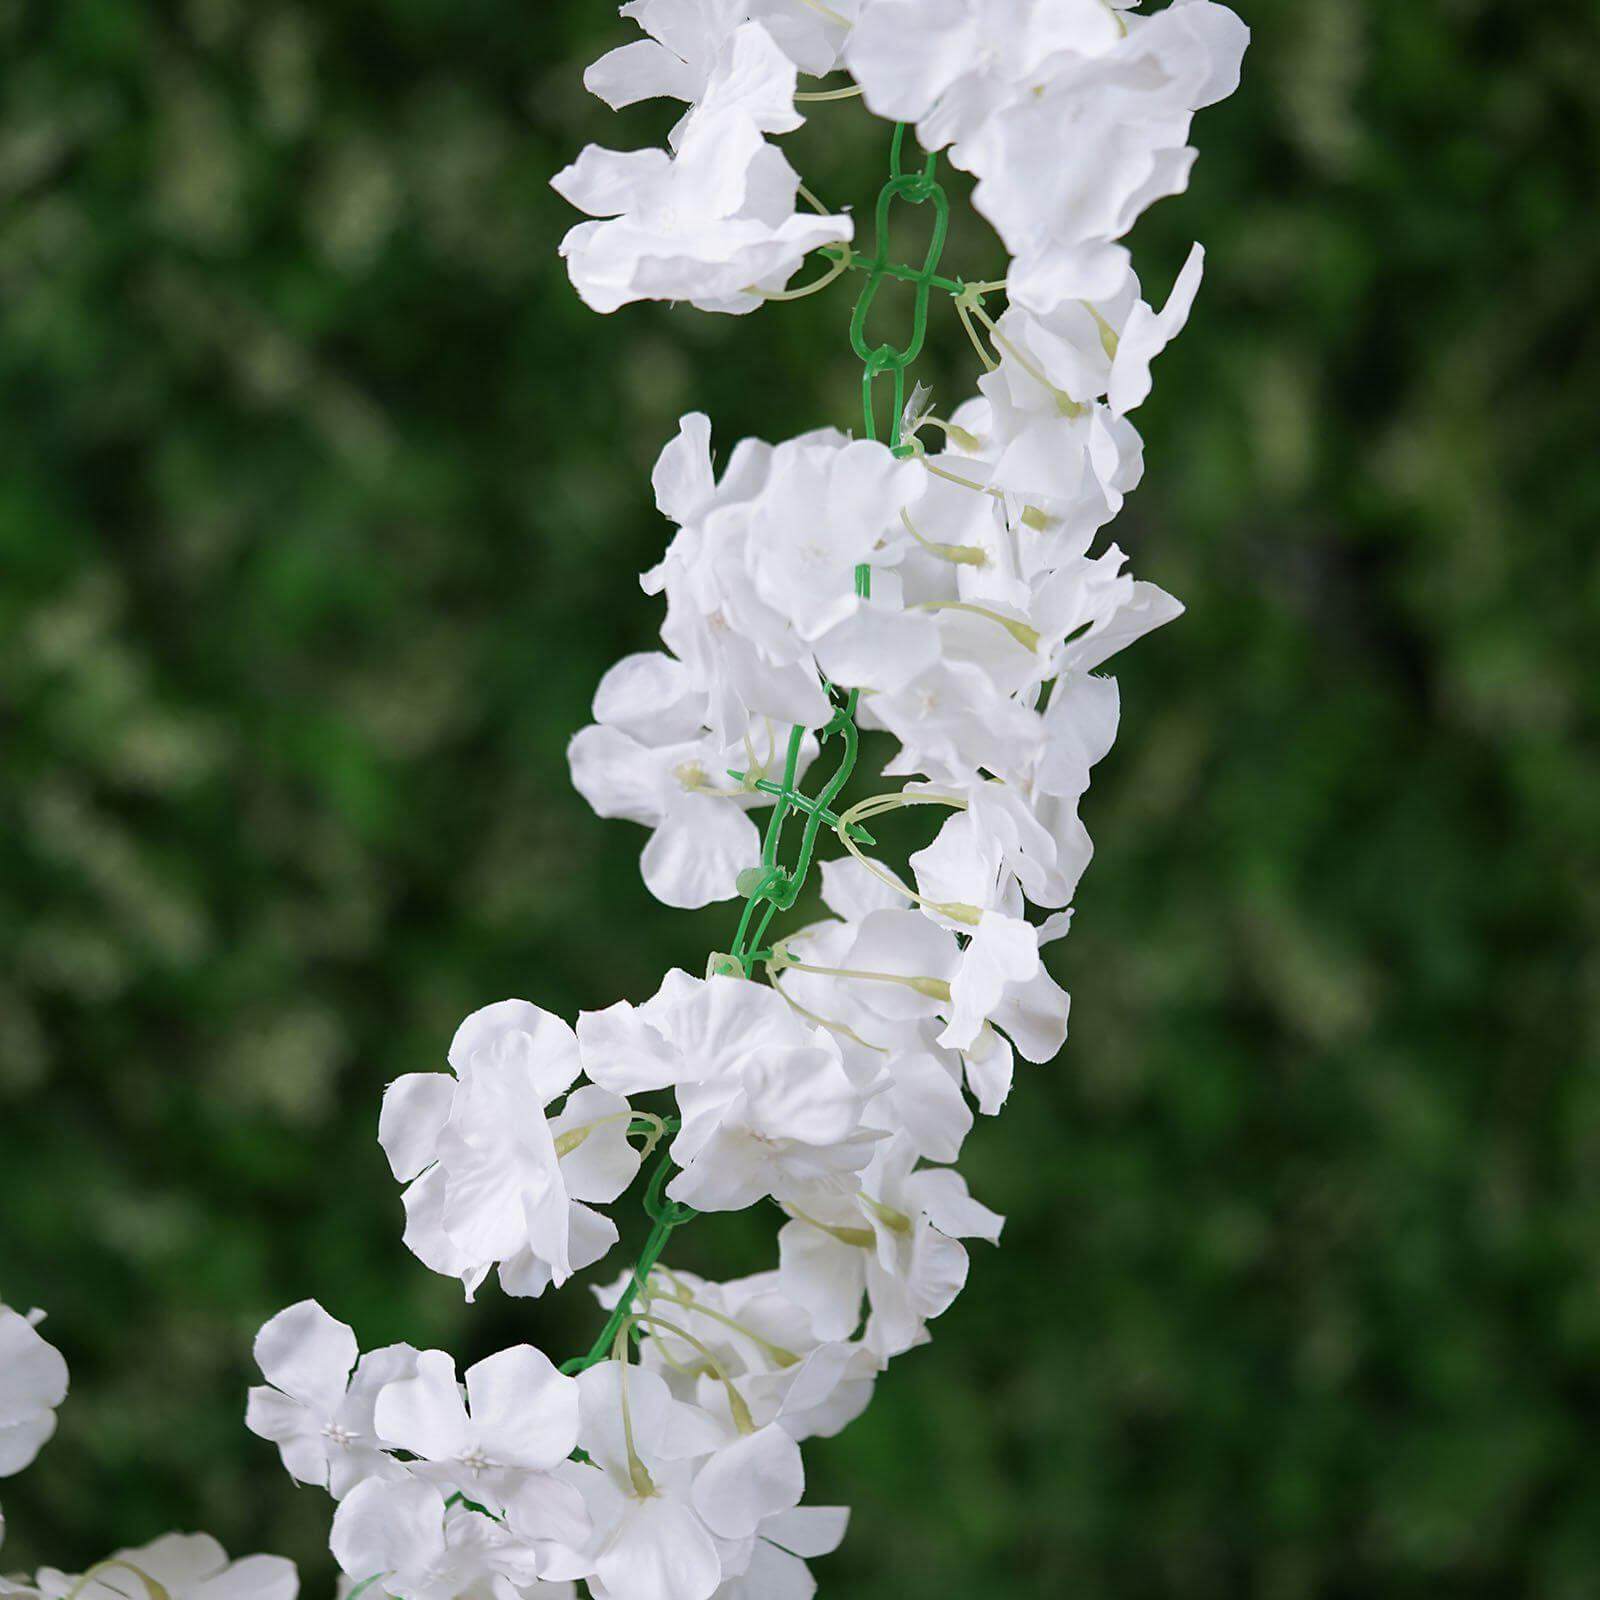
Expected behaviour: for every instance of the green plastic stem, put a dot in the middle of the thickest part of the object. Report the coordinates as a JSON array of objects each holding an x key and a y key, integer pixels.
[{"x": 665, "y": 1215}]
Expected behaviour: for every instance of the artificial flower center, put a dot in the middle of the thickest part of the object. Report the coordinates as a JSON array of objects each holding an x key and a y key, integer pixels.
[
  {"x": 860, "y": 1238},
  {"x": 1108, "y": 335},
  {"x": 1027, "y": 637},
  {"x": 569, "y": 1141},
  {"x": 961, "y": 555},
  {"x": 894, "y": 1221}
]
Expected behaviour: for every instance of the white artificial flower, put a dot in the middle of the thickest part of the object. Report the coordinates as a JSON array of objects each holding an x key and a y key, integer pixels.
[
  {"x": 1082, "y": 351},
  {"x": 1037, "y": 826},
  {"x": 760, "y": 580},
  {"x": 318, "y": 1408},
  {"x": 648, "y": 758},
  {"x": 406, "y": 1540},
  {"x": 1061, "y": 466},
  {"x": 965, "y": 869},
  {"x": 1146, "y": 333},
  {"x": 783, "y": 1544},
  {"x": 827, "y": 503},
  {"x": 750, "y": 1476},
  {"x": 949, "y": 65},
  {"x": 917, "y": 1083},
  {"x": 767, "y": 1105},
  {"x": 749, "y": 661},
  {"x": 955, "y": 721},
  {"x": 763, "y": 1345},
  {"x": 650, "y": 1541},
  {"x": 896, "y": 1048},
  {"x": 680, "y": 1499},
  {"x": 691, "y": 1030},
  {"x": 776, "y": 1125},
  {"x": 493, "y": 1177},
  {"x": 812, "y": 36},
  {"x": 896, "y": 1243},
  {"x": 674, "y": 60},
  {"x": 1056, "y": 625},
  {"x": 851, "y": 889},
  {"x": 497, "y": 1439},
  {"x": 183, "y": 1566},
  {"x": 33, "y": 1382},
  {"x": 1065, "y": 170},
  {"x": 928, "y": 961},
  {"x": 713, "y": 222},
  {"x": 684, "y": 39},
  {"x": 900, "y": 964}
]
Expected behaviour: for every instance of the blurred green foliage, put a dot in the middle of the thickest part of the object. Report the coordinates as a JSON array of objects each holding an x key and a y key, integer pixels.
[{"x": 320, "y": 496}]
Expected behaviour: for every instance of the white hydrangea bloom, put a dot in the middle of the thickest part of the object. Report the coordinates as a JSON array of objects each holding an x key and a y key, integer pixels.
[
  {"x": 760, "y": 578},
  {"x": 422, "y": 1548},
  {"x": 186, "y": 1566},
  {"x": 675, "y": 59},
  {"x": 950, "y": 65},
  {"x": 764, "y": 1347},
  {"x": 684, "y": 39},
  {"x": 317, "y": 1403},
  {"x": 649, "y": 757},
  {"x": 501, "y": 1438},
  {"x": 33, "y": 1382},
  {"x": 712, "y": 222},
  {"x": 897, "y": 1244},
  {"x": 493, "y": 1177},
  {"x": 767, "y": 1104},
  {"x": 812, "y": 36},
  {"x": 957, "y": 602},
  {"x": 1065, "y": 169},
  {"x": 650, "y": 1541},
  {"x": 782, "y": 1545}
]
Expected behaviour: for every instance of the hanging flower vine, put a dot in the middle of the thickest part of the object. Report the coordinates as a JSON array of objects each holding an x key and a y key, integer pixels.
[{"x": 931, "y": 578}]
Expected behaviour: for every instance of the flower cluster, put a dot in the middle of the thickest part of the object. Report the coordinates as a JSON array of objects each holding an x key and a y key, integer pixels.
[
  {"x": 943, "y": 587},
  {"x": 177, "y": 1566},
  {"x": 518, "y": 1479},
  {"x": 712, "y": 220},
  {"x": 952, "y": 598},
  {"x": 1073, "y": 115}
]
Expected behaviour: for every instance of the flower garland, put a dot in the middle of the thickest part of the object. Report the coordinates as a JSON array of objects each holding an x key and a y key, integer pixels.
[{"x": 941, "y": 592}]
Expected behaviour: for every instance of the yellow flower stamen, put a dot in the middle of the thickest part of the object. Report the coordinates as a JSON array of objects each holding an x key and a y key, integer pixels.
[
  {"x": 742, "y": 1419},
  {"x": 1026, "y": 636},
  {"x": 860, "y": 1238},
  {"x": 638, "y": 1474},
  {"x": 962, "y": 555}
]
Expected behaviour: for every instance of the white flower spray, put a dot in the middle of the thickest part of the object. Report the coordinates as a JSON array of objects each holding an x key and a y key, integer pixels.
[{"x": 936, "y": 579}]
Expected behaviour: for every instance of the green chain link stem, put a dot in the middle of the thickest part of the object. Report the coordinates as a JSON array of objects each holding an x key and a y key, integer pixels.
[
  {"x": 665, "y": 1215},
  {"x": 777, "y": 887}
]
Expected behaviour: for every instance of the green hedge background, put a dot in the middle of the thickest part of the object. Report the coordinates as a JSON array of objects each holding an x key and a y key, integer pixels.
[{"x": 320, "y": 497}]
